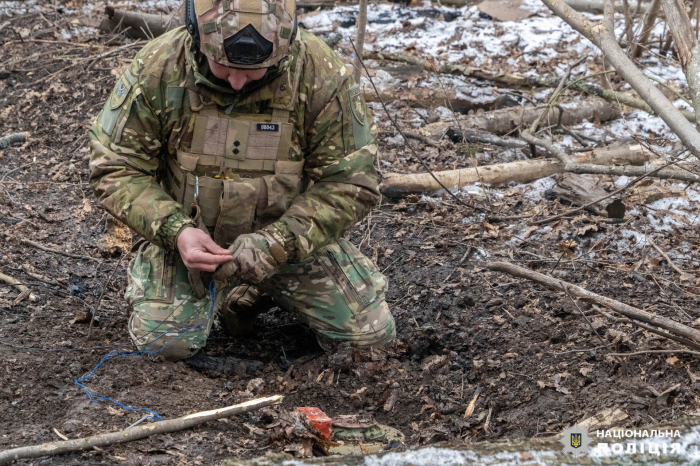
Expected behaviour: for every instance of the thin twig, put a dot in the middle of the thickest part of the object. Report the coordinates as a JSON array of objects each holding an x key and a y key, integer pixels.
[
  {"x": 57, "y": 251},
  {"x": 696, "y": 353},
  {"x": 684, "y": 276},
  {"x": 99, "y": 300}
]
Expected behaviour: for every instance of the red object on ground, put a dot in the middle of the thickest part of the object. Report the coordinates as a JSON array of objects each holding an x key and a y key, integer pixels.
[{"x": 318, "y": 420}]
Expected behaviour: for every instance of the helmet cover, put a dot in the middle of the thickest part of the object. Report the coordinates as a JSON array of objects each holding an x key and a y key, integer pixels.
[{"x": 247, "y": 34}]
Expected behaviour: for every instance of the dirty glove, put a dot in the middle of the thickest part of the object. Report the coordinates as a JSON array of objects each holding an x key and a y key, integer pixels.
[{"x": 256, "y": 257}]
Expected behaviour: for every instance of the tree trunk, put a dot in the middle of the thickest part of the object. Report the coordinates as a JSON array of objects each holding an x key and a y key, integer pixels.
[{"x": 508, "y": 119}]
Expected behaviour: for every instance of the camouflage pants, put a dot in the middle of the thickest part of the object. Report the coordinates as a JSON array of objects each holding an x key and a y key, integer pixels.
[{"x": 339, "y": 292}]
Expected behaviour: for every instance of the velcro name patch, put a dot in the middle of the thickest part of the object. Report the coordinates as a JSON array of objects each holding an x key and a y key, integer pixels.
[{"x": 268, "y": 127}]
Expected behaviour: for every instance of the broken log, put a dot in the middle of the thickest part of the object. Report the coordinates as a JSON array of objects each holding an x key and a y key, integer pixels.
[
  {"x": 522, "y": 171},
  {"x": 508, "y": 119},
  {"x": 676, "y": 328},
  {"x": 138, "y": 25},
  {"x": 134, "y": 433},
  {"x": 581, "y": 190}
]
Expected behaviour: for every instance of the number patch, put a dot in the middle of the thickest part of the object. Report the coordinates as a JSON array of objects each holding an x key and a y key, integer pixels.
[{"x": 269, "y": 127}]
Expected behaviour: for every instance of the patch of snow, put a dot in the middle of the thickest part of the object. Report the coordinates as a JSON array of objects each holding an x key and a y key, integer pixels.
[
  {"x": 397, "y": 140},
  {"x": 18, "y": 8},
  {"x": 535, "y": 191}
]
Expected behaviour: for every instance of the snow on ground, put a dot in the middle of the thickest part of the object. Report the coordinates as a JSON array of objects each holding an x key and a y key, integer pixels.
[{"x": 14, "y": 8}]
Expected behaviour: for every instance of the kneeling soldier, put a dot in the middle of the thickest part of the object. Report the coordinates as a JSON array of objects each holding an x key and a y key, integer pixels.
[{"x": 241, "y": 149}]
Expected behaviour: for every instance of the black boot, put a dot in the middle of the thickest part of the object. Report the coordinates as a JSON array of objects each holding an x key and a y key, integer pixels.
[{"x": 242, "y": 306}]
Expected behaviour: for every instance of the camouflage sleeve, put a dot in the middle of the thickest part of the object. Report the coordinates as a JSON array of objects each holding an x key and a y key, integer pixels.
[
  {"x": 125, "y": 141},
  {"x": 339, "y": 160}
]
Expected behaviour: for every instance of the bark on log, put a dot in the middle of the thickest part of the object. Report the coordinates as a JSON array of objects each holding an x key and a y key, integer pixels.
[
  {"x": 526, "y": 171},
  {"x": 395, "y": 184},
  {"x": 138, "y": 25},
  {"x": 626, "y": 310},
  {"x": 135, "y": 433},
  {"x": 605, "y": 40},
  {"x": 508, "y": 119},
  {"x": 596, "y": 6}
]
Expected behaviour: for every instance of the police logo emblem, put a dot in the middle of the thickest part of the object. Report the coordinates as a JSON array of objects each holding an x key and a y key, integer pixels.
[{"x": 576, "y": 440}]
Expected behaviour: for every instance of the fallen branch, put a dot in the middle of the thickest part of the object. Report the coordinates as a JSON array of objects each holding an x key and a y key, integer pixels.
[
  {"x": 13, "y": 138},
  {"x": 135, "y": 433},
  {"x": 505, "y": 120},
  {"x": 522, "y": 171},
  {"x": 56, "y": 251},
  {"x": 138, "y": 25},
  {"x": 24, "y": 292},
  {"x": 684, "y": 276},
  {"x": 626, "y": 310},
  {"x": 580, "y": 167}
]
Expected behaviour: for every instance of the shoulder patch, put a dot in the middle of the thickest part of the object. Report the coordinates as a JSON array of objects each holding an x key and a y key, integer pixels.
[
  {"x": 357, "y": 104},
  {"x": 121, "y": 90}
]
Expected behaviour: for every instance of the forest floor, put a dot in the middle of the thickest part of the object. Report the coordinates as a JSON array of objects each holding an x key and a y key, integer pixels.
[{"x": 539, "y": 365}]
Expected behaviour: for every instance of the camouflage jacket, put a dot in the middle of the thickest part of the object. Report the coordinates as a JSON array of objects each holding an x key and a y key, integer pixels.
[{"x": 135, "y": 137}]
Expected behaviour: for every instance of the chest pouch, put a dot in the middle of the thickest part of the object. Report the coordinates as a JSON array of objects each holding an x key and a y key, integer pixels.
[{"x": 247, "y": 179}]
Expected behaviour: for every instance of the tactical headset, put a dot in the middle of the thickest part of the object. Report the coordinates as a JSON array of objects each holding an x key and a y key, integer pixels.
[{"x": 246, "y": 47}]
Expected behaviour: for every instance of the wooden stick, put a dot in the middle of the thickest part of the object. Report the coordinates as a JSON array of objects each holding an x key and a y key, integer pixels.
[
  {"x": 696, "y": 353},
  {"x": 23, "y": 290},
  {"x": 56, "y": 251},
  {"x": 626, "y": 310},
  {"x": 684, "y": 276},
  {"x": 135, "y": 433}
]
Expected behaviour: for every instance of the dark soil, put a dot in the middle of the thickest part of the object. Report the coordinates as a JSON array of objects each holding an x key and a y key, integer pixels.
[{"x": 539, "y": 364}]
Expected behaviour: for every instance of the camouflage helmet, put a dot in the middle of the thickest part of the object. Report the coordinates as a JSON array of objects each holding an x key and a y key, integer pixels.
[{"x": 246, "y": 34}]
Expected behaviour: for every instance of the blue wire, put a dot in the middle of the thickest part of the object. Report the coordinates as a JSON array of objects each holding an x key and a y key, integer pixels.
[{"x": 134, "y": 354}]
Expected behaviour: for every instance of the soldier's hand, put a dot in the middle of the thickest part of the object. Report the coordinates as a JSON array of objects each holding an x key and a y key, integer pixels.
[
  {"x": 199, "y": 251},
  {"x": 252, "y": 260}
]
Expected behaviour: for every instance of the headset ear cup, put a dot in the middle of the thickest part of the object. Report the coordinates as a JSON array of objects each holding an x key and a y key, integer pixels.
[{"x": 191, "y": 21}]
